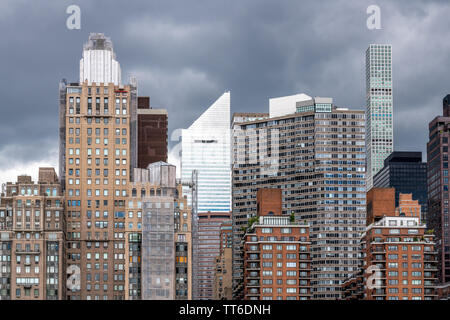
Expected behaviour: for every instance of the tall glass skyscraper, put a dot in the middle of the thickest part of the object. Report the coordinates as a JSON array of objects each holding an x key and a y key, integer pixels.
[
  {"x": 379, "y": 112},
  {"x": 205, "y": 147}
]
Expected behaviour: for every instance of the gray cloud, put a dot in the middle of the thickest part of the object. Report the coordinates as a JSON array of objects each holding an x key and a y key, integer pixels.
[{"x": 187, "y": 53}]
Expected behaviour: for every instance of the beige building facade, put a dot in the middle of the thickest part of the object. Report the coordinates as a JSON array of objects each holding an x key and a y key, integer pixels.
[{"x": 32, "y": 239}]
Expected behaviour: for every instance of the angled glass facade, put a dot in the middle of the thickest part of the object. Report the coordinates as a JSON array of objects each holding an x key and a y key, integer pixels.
[{"x": 206, "y": 148}]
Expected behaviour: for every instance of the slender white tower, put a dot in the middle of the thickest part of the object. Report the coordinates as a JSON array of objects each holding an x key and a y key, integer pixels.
[{"x": 379, "y": 112}]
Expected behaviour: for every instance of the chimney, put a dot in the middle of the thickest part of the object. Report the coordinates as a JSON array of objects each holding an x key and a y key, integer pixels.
[{"x": 268, "y": 202}]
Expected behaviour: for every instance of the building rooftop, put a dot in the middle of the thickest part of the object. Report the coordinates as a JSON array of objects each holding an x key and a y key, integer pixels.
[
  {"x": 98, "y": 41},
  {"x": 403, "y": 156}
]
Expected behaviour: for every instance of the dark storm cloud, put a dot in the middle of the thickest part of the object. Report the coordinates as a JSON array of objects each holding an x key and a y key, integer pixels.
[{"x": 187, "y": 53}]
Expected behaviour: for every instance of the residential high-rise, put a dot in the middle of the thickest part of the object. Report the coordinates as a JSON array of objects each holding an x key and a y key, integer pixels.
[
  {"x": 205, "y": 147},
  {"x": 97, "y": 153},
  {"x": 438, "y": 187},
  {"x": 99, "y": 62},
  {"x": 158, "y": 236},
  {"x": 315, "y": 153},
  {"x": 379, "y": 112},
  {"x": 406, "y": 173},
  {"x": 32, "y": 250},
  {"x": 277, "y": 260},
  {"x": 223, "y": 276},
  {"x": 397, "y": 247},
  {"x": 151, "y": 133},
  {"x": 208, "y": 232}
]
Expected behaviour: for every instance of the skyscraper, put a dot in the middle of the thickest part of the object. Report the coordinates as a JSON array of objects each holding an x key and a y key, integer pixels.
[
  {"x": 379, "y": 111},
  {"x": 97, "y": 153},
  {"x": 438, "y": 187},
  {"x": 206, "y": 148},
  {"x": 314, "y": 151}
]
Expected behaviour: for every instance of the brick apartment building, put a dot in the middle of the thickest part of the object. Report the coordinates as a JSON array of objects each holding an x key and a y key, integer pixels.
[
  {"x": 398, "y": 253},
  {"x": 277, "y": 262}
]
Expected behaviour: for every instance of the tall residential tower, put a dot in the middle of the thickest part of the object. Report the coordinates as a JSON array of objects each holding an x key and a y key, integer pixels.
[{"x": 379, "y": 112}]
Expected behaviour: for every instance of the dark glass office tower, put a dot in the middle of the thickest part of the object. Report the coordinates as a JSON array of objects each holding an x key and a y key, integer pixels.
[{"x": 405, "y": 171}]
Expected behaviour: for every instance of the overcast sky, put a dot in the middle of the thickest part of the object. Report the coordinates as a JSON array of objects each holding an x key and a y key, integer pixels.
[{"x": 186, "y": 53}]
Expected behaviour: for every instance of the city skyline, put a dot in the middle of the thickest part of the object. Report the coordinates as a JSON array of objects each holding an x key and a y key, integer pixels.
[
  {"x": 241, "y": 51},
  {"x": 319, "y": 176},
  {"x": 328, "y": 168}
]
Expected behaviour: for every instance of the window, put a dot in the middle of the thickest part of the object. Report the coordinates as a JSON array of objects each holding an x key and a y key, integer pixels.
[{"x": 291, "y": 264}]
